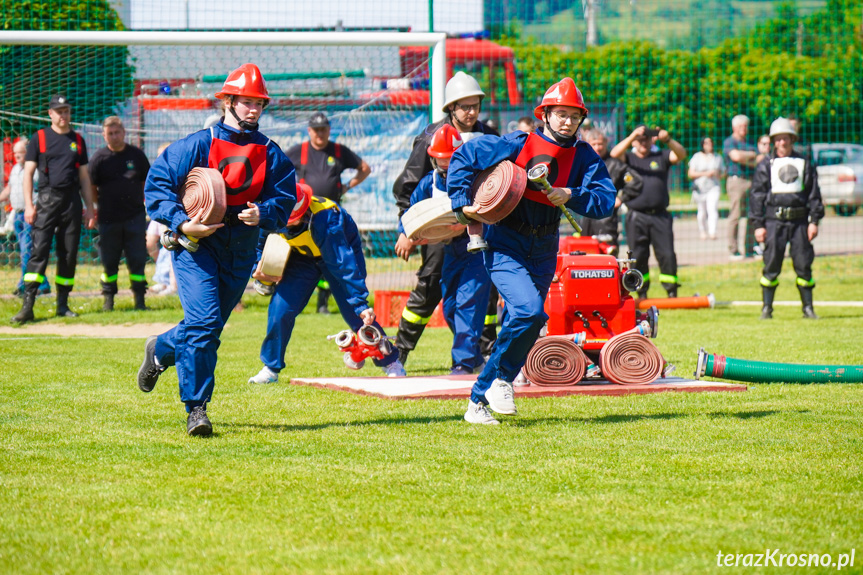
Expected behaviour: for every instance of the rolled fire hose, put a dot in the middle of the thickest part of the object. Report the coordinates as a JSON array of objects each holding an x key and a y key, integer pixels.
[
  {"x": 555, "y": 361},
  {"x": 630, "y": 358},
  {"x": 715, "y": 365},
  {"x": 274, "y": 257},
  {"x": 497, "y": 190},
  {"x": 204, "y": 193},
  {"x": 432, "y": 220},
  {"x": 694, "y": 302}
]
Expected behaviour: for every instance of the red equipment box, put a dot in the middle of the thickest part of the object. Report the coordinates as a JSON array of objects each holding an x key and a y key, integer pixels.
[
  {"x": 586, "y": 296},
  {"x": 389, "y": 305}
]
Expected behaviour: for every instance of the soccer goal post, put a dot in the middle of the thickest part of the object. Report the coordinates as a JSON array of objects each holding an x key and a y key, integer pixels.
[{"x": 379, "y": 90}]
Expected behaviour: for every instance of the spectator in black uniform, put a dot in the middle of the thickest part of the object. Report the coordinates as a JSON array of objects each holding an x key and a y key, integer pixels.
[
  {"x": 648, "y": 221},
  {"x": 626, "y": 181},
  {"x": 786, "y": 207},
  {"x": 118, "y": 172},
  {"x": 320, "y": 163},
  {"x": 463, "y": 102},
  {"x": 61, "y": 157}
]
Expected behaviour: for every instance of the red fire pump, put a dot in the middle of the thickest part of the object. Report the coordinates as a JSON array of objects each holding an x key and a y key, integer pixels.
[
  {"x": 586, "y": 244},
  {"x": 367, "y": 342},
  {"x": 589, "y": 296}
]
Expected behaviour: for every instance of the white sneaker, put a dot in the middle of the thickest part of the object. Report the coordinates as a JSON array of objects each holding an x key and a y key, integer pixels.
[
  {"x": 266, "y": 375},
  {"x": 501, "y": 398},
  {"x": 478, "y": 413},
  {"x": 520, "y": 380},
  {"x": 394, "y": 369}
]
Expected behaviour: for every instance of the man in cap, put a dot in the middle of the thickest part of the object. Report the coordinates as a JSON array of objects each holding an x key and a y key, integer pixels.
[
  {"x": 60, "y": 155},
  {"x": 523, "y": 246},
  {"x": 320, "y": 163},
  {"x": 786, "y": 207},
  {"x": 463, "y": 103}
]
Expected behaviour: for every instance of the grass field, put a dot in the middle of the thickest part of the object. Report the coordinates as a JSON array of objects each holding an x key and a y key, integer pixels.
[{"x": 98, "y": 477}]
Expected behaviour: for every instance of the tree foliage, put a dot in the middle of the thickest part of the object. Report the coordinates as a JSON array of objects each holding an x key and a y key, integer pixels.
[
  {"x": 809, "y": 66},
  {"x": 94, "y": 78}
]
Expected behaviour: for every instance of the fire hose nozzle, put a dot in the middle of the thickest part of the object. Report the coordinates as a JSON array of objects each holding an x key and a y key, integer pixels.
[
  {"x": 592, "y": 370},
  {"x": 343, "y": 339},
  {"x": 477, "y": 242},
  {"x": 539, "y": 175},
  {"x": 579, "y": 339},
  {"x": 701, "y": 366},
  {"x": 668, "y": 369}
]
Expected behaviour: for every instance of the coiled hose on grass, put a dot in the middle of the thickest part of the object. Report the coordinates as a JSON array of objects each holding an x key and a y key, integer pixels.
[
  {"x": 715, "y": 365},
  {"x": 555, "y": 361}
]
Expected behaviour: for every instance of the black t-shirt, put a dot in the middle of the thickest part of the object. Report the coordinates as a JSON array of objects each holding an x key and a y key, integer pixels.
[
  {"x": 119, "y": 177},
  {"x": 324, "y": 169},
  {"x": 58, "y": 166},
  {"x": 653, "y": 170}
]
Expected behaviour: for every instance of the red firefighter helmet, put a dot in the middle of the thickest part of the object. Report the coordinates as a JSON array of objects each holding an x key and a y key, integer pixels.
[
  {"x": 444, "y": 142},
  {"x": 245, "y": 81},
  {"x": 563, "y": 93},
  {"x": 304, "y": 198}
]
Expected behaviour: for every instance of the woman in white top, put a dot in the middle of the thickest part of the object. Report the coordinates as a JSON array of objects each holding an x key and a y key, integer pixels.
[{"x": 705, "y": 169}]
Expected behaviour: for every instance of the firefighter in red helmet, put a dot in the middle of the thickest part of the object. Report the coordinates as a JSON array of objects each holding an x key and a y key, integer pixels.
[
  {"x": 261, "y": 191},
  {"x": 523, "y": 246}
]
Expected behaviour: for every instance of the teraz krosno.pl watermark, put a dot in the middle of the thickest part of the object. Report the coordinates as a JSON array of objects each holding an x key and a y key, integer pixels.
[{"x": 775, "y": 558}]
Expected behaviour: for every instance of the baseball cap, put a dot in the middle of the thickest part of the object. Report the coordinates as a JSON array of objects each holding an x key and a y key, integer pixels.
[
  {"x": 318, "y": 120},
  {"x": 58, "y": 101}
]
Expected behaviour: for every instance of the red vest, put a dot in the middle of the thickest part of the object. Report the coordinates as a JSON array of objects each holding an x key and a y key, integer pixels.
[
  {"x": 559, "y": 161},
  {"x": 242, "y": 167}
]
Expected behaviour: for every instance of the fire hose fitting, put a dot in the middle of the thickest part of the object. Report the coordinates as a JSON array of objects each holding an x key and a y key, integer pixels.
[{"x": 367, "y": 342}]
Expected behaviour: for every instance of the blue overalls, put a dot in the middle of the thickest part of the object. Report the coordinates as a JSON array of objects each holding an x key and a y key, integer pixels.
[
  {"x": 523, "y": 247},
  {"x": 465, "y": 284},
  {"x": 211, "y": 280},
  {"x": 327, "y": 245}
]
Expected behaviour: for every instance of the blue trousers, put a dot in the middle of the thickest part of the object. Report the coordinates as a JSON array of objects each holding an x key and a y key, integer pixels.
[
  {"x": 25, "y": 244},
  {"x": 465, "y": 285},
  {"x": 300, "y": 278},
  {"x": 522, "y": 269},
  {"x": 210, "y": 283}
]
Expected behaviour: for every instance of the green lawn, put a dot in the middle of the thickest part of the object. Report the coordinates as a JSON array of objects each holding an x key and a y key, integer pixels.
[{"x": 97, "y": 477}]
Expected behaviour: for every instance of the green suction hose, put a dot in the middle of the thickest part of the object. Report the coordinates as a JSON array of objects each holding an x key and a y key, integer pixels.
[{"x": 715, "y": 365}]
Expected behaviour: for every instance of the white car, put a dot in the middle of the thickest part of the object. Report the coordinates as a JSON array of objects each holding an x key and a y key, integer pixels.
[{"x": 840, "y": 176}]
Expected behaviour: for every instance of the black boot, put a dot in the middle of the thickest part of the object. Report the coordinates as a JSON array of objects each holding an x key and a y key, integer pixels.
[
  {"x": 767, "y": 294},
  {"x": 63, "y": 302},
  {"x": 806, "y": 298},
  {"x": 672, "y": 292},
  {"x": 139, "y": 289},
  {"x": 26, "y": 313},
  {"x": 109, "y": 290},
  {"x": 403, "y": 355}
]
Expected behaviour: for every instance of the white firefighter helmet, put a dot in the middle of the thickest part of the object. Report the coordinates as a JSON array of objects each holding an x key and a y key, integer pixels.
[
  {"x": 461, "y": 86},
  {"x": 782, "y": 126}
]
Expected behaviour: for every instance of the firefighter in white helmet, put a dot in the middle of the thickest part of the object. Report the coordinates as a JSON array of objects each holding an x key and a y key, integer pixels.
[
  {"x": 786, "y": 207},
  {"x": 462, "y": 104}
]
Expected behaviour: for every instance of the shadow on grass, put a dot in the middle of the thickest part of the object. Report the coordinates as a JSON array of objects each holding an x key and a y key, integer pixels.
[
  {"x": 326, "y": 425},
  {"x": 514, "y": 422}
]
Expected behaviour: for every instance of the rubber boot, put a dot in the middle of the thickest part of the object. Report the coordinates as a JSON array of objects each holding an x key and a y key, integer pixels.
[
  {"x": 403, "y": 355},
  {"x": 63, "y": 302},
  {"x": 26, "y": 313},
  {"x": 767, "y": 294},
  {"x": 139, "y": 289},
  {"x": 806, "y": 298},
  {"x": 672, "y": 292},
  {"x": 642, "y": 293},
  {"x": 109, "y": 302}
]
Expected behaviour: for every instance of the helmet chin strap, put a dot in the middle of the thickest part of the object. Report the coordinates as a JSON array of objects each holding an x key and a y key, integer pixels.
[
  {"x": 558, "y": 137},
  {"x": 249, "y": 126}
]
